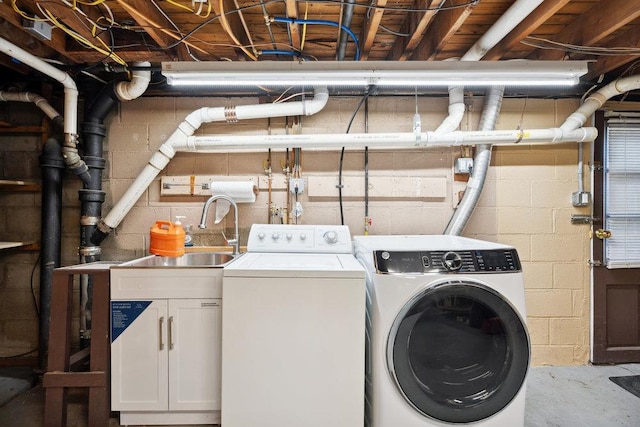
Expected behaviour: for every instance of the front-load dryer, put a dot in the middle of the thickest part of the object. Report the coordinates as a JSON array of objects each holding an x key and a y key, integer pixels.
[{"x": 447, "y": 341}]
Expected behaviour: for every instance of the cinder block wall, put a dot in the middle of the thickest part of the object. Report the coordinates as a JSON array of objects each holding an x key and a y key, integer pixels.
[{"x": 525, "y": 203}]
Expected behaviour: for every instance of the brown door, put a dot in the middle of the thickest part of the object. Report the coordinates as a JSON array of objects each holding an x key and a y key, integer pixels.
[{"x": 616, "y": 291}]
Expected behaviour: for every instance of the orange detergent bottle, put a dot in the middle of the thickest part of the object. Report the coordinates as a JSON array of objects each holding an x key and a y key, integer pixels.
[{"x": 167, "y": 239}]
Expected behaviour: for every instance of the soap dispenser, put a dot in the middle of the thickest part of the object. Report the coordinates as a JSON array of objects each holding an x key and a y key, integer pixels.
[{"x": 188, "y": 237}]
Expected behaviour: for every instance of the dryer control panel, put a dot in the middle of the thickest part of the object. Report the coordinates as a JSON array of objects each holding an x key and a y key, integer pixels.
[
  {"x": 334, "y": 239},
  {"x": 470, "y": 261}
]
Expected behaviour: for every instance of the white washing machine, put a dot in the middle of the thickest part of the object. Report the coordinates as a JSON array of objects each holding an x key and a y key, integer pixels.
[
  {"x": 447, "y": 340},
  {"x": 293, "y": 330}
]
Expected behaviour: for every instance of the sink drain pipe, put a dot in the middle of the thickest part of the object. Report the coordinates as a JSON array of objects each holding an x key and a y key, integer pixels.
[{"x": 186, "y": 129}]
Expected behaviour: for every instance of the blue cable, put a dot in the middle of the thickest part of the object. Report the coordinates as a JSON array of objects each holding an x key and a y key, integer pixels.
[
  {"x": 321, "y": 22},
  {"x": 280, "y": 52}
]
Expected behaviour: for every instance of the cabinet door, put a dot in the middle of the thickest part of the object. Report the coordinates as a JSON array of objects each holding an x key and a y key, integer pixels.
[
  {"x": 194, "y": 354},
  {"x": 139, "y": 355}
]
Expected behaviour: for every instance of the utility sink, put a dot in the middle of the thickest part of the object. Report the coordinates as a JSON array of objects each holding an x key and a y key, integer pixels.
[{"x": 193, "y": 259}]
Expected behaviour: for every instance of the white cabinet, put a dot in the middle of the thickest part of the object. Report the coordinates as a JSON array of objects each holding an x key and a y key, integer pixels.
[{"x": 165, "y": 349}]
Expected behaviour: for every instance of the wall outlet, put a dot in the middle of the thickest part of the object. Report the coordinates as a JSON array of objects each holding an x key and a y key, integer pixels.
[{"x": 296, "y": 185}]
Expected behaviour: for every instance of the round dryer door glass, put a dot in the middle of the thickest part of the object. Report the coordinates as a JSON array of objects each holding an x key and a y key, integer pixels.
[{"x": 459, "y": 352}]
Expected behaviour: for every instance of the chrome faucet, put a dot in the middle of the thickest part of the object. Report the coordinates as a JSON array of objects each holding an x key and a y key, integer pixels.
[{"x": 203, "y": 221}]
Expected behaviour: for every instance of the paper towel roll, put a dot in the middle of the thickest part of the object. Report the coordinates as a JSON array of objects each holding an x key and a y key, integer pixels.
[{"x": 239, "y": 191}]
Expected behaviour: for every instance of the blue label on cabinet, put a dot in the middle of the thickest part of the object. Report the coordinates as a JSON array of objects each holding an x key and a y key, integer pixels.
[{"x": 123, "y": 313}]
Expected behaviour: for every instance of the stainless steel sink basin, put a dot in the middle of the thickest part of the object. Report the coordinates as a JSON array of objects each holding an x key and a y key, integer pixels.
[{"x": 193, "y": 259}]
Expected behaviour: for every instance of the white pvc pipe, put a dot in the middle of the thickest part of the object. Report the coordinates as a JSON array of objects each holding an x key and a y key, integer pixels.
[
  {"x": 127, "y": 91},
  {"x": 178, "y": 142},
  {"x": 218, "y": 143},
  {"x": 507, "y": 22},
  {"x": 456, "y": 110},
  {"x": 597, "y": 100},
  {"x": 38, "y": 100},
  {"x": 70, "y": 121},
  {"x": 70, "y": 89}
]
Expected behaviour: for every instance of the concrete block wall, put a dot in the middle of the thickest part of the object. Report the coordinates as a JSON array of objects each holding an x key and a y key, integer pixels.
[{"x": 526, "y": 201}]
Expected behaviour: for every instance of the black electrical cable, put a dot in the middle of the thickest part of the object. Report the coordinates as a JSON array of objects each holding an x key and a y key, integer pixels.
[
  {"x": 341, "y": 164},
  {"x": 367, "y": 5},
  {"x": 33, "y": 292}
]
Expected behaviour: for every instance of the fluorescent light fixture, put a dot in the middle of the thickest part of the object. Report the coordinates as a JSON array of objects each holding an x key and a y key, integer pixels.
[{"x": 379, "y": 73}]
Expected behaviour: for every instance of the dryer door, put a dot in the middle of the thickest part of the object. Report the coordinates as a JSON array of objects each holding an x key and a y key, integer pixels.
[{"x": 459, "y": 352}]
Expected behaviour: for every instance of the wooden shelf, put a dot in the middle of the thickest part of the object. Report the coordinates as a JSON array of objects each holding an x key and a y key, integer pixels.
[
  {"x": 18, "y": 185},
  {"x": 23, "y": 246},
  {"x": 7, "y": 128}
]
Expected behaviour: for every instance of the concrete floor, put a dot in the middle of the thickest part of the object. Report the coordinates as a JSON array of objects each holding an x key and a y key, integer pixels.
[{"x": 556, "y": 396}]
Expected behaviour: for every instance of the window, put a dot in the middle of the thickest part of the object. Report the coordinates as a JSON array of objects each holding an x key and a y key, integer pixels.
[{"x": 622, "y": 192}]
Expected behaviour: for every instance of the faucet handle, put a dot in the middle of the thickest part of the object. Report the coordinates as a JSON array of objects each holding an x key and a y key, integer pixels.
[{"x": 228, "y": 241}]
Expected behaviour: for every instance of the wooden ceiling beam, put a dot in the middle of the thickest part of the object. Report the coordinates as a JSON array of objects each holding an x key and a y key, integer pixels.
[
  {"x": 31, "y": 44},
  {"x": 294, "y": 29},
  {"x": 538, "y": 17},
  {"x": 233, "y": 26},
  {"x": 448, "y": 22},
  {"x": 370, "y": 29},
  {"x": 73, "y": 19},
  {"x": 156, "y": 25},
  {"x": 415, "y": 24},
  {"x": 593, "y": 26},
  {"x": 605, "y": 64}
]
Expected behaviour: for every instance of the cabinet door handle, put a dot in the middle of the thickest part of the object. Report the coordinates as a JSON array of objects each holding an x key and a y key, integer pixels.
[
  {"x": 170, "y": 332},
  {"x": 160, "y": 333}
]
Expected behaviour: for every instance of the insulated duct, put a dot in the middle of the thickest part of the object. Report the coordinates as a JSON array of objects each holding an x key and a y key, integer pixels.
[
  {"x": 182, "y": 134},
  {"x": 507, "y": 22},
  {"x": 481, "y": 164}
]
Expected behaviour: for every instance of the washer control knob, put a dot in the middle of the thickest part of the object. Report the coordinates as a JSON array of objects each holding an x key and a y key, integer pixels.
[
  {"x": 452, "y": 261},
  {"x": 303, "y": 236},
  {"x": 275, "y": 237},
  {"x": 331, "y": 237},
  {"x": 289, "y": 236},
  {"x": 261, "y": 236}
]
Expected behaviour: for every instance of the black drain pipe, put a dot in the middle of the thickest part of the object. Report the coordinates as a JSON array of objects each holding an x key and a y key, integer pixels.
[
  {"x": 92, "y": 196},
  {"x": 52, "y": 166}
]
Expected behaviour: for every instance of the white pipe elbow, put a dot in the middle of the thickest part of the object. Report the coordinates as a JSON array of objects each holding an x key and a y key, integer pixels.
[{"x": 126, "y": 91}]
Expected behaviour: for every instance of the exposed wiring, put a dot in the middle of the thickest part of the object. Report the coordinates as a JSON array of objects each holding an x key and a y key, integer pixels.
[
  {"x": 322, "y": 22},
  {"x": 173, "y": 24},
  {"x": 33, "y": 292},
  {"x": 369, "y": 5},
  {"x": 395, "y": 33},
  {"x": 304, "y": 26},
  {"x": 341, "y": 163},
  {"x": 542, "y": 43},
  {"x": 229, "y": 31}
]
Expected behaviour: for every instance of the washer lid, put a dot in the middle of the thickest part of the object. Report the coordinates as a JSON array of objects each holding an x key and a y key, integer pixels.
[{"x": 295, "y": 265}]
